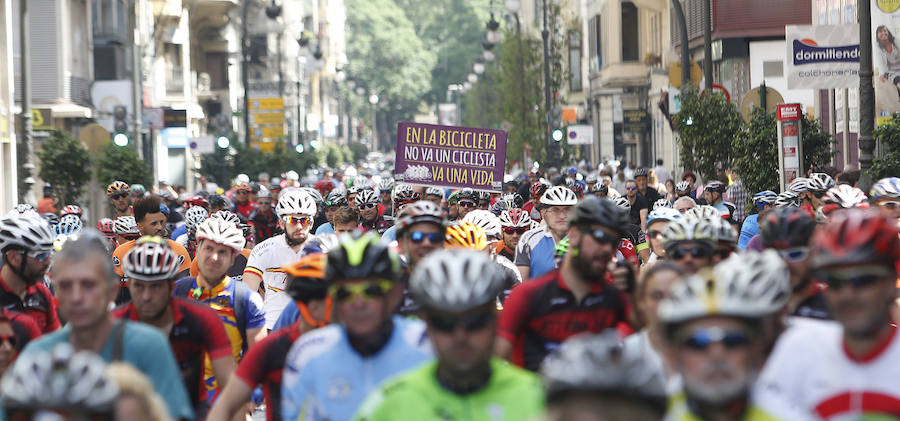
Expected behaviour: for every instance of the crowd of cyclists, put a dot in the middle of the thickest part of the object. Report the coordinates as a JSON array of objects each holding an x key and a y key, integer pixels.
[{"x": 573, "y": 296}]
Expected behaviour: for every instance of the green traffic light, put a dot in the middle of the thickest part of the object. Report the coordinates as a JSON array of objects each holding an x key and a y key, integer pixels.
[
  {"x": 120, "y": 139},
  {"x": 557, "y": 135}
]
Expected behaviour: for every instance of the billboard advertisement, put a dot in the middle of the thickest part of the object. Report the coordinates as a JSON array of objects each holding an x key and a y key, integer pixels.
[
  {"x": 450, "y": 156},
  {"x": 886, "y": 56},
  {"x": 822, "y": 56}
]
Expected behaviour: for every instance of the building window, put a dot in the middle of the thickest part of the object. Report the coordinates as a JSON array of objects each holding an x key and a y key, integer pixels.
[
  {"x": 574, "y": 61},
  {"x": 630, "y": 32},
  {"x": 217, "y": 68},
  {"x": 174, "y": 68},
  {"x": 595, "y": 45},
  {"x": 773, "y": 68},
  {"x": 109, "y": 23}
]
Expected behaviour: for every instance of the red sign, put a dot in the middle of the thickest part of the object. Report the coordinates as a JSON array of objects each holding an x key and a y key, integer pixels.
[
  {"x": 789, "y": 111},
  {"x": 789, "y": 130},
  {"x": 790, "y": 175},
  {"x": 790, "y": 152}
]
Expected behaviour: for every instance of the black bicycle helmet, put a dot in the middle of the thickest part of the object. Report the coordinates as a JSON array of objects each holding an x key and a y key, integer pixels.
[
  {"x": 596, "y": 210},
  {"x": 786, "y": 227},
  {"x": 362, "y": 255},
  {"x": 468, "y": 194},
  {"x": 641, "y": 172}
]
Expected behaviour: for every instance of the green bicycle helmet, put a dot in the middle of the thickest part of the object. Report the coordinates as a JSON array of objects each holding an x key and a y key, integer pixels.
[{"x": 362, "y": 255}]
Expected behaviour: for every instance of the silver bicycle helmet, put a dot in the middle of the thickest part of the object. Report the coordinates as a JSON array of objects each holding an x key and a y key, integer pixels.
[
  {"x": 193, "y": 217},
  {"x": 486, "y": 220},
  {"x": 151, "y": 259},
  {"x": 886, "y": 188},
  {"x": 221, "y": 232},
  {"x": 295, "y": 202},
  {"x": 819, "y": 182},
  {"x": 456, "y": 280},
  {"x": 126, "y": 225},
  {"x": 25, "y": 231},
  {"x": 787, "y": 198},
  {"x": 559, "y": 196},
  {"x": 690, "y": 229}
]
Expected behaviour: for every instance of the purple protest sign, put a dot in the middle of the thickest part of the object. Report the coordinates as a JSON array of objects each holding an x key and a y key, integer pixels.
[{"x": 449, "y": 156}]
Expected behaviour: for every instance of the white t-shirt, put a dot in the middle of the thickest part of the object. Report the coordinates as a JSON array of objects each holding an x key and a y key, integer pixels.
[
  {"x": 266, "y": 260},
  {"x": 811, "y": 370}
]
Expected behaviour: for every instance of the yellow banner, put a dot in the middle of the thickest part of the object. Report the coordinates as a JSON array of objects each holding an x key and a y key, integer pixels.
[
  {"x": 266, "y": 103},
  {"x": 267, "y": 118},
  {"x": 267, "y": 132}
]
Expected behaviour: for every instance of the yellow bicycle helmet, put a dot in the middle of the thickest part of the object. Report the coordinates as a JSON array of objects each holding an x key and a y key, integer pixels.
[{"x": 466, "y": 235}]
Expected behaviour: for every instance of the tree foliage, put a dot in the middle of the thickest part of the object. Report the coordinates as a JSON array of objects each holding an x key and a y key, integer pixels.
[
  {"x": 888, "y": 165},
  {"x": 707, "y": 126},
  {"x": 756, "y": 150},
  {"x": 123, "y": 164},
  {"x": 65, "y": 163},
  {"x": 520, "y": 81},
  {"x": 223, "y": 166}
]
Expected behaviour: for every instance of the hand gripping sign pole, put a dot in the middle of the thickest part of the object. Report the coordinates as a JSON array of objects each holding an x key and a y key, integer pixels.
[{"x": 790, "y": 148}]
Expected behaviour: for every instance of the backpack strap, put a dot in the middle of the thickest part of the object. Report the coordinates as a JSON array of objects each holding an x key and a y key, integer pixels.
[
  {"x": 118, "y": 340},
  {"x": 241, "y": 296}
]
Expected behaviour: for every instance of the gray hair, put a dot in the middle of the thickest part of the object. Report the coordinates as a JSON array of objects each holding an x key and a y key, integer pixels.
[
  {"x": 684, "y": 199},
  {"x": 79, "y": 247}
]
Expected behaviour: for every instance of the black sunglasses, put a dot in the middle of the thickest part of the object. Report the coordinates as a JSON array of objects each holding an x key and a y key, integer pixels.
[
  {"x": 467, "y": 204},
  {"x": 514, "y": 230},
  {"x": 118, "y": 196},
  {"x": 695, "y": 252},
  {"x": 432, "y": 237},
  {"x": 471, "y": 322},
  {"x": 701, "y": 339},
  {"x": 603, "y": 237},
  {"x": 857, "y": 281}
]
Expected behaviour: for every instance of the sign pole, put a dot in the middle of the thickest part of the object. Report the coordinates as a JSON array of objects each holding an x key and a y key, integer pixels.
[
  {"x": 790, "y": 146},
  {"x": 866, "y": 90}
]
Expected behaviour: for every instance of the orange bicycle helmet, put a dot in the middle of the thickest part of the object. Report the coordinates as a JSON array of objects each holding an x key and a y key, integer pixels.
[{"x": 466, "y": 235}]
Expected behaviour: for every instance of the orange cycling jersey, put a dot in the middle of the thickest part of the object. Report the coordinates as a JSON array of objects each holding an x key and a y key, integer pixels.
[{"x": 184, "y": 259}]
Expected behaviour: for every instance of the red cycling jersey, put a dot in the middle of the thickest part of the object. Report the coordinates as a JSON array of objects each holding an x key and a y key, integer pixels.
[{"x": 39, "y": 304}]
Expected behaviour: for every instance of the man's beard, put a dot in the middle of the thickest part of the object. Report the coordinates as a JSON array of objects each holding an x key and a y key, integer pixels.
[
  {"x": 294, "y": 242},
  {"x": 582, "y": 266},
  {"x": 719, "y": 393}
]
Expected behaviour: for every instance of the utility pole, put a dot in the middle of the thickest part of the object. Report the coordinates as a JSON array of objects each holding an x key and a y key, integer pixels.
[
  {"x": 245, "y": 77},
  {"x": 866, "y": 92},
  {"x": 685, "y": 52},
  {"x": 551, "y": 147},
  {"x": 707, "y": 47},
  {"x": 26, "y": 171}
]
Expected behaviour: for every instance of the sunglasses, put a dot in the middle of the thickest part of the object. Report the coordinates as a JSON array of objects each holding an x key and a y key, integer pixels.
[
  {"x": 11, "y": 340},
  {"x": 859, "y": 281},
  {"x": 367, "y": 205},
  {"x": 118, "y": 196},
  {"x": 467, "y": 204},
  {"x": 603, "y": 237},
  {"x": 514, "y": 230},
  {"x": 630, "y": 188},
  {"x": 472, "y": 322},
  {"x": 796, "y": 254},
  {"x": 433, "y": 237},
  {"x": 297, "y": 220},
  {"x": 40, "y": 256},
  {"x": 131, "y": 237},
  {"x": 654, "y": 234},
  {"x": 695, "y": 252},
  {"x": 818, "y": 194},
  {"x": 891, "y": 204},
  {"x": 702, "y": 339},
  {"x": 385, "y": 192},
  {"x": 366, "y": 290},
  {"x": 261, "y": 202}
]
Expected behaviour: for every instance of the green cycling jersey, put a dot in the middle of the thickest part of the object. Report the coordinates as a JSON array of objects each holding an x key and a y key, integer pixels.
[{"x": 511, "y": 394}]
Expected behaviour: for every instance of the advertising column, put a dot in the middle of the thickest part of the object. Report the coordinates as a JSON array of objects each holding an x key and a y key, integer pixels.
[{"x": 790, "y": 149}]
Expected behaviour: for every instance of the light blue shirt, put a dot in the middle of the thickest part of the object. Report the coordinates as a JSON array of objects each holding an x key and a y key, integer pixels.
[
  {"x": 390, "y": 234},
  {"x": 749, "y": 229},
  {"x": 326, "y": 379},
  {"x": 288, "y": 316},
  {"x": 325, "y": 228},
  {"x": 145, "y": 348}
]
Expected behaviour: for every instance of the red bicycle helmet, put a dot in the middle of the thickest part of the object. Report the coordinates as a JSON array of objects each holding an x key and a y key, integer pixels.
[
  {"x": 107, "y": 227},
  {"x": 856, "y": 237},
  {"x": 196, "y": 201},
  {"x": 324, "y": 187},
  {"x": 71, "y": 210},
  {"x": 538, "y": 189}
]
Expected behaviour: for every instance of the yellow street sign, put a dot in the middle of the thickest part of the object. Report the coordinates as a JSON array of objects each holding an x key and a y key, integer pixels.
[
  {"x": 267, "y": 132},
  {"x": 675, "y": 74},
  {"x": 267, "y": 118},
  {"x": 94, "y": 136},
  {"x": 266, "y": 103}
]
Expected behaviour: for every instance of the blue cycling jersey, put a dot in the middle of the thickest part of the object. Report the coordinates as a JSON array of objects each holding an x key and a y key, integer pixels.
[
  {"x": 325, "y": 228},
  {"x": 749, "y": 229},
  {"x": 390, "y": 234},
  {"x": 326, "y": 379}
]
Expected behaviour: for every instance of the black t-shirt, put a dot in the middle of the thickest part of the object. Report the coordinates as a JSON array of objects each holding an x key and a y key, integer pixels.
[
  {"x": 652, "y": 195},
  {"x": 640, "y": 202}
]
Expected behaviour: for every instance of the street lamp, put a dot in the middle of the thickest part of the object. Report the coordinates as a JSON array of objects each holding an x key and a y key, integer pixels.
[
  {"x": 222, "y": 142},
  {"x": 493, "y": 34},
  {"x": 489, "y": 55},
  {"x": 513, "y": 6},
  {"x": 478, "y": 67},
  {"x": 473, "y": 77},
  {"x": 373, "y": 99}
]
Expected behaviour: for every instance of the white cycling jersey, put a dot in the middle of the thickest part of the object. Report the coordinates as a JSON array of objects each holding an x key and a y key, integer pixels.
[
  {"x": 266, "y": 260},
  {"x": 811, "y": 370}
]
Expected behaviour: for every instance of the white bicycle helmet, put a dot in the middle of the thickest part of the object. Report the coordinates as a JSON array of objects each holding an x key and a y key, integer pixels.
[
  {"x": 787, "y": 198},
  {"x": 193, "y": 217},
  {"x": 226, "y": 215},
  {"x": 386, "y": 184},
  {"x": 590, "y": 178},
  {"x": 126, "y": 225},
  {"x": 456, "y": 280},
  {"x": 69, "y": 225},
  {"x": 514, "y": 218},
  {"x": 366, "y": 196},
  {"x": 819, "y": 181},
  {"x": 434, "y": 191},
  {"x": 421, "y": 211},
  {"x": 559, "y": 196},
  {"x": 25, "y": 231},
  {"x": 750, "y": 285},
  {"x": 799, "y": 185},
  {"x": 886, "y": 188},
  {"x": 703, "y": 211},
  {"x": 623, "y": 203},
  {"x": 660, "y": 203},
  {"x": 316, "y": 196},
  {"x": 845, "y": 196},
  {"x": 725, "y": 233},
  {"x": 486, "y": 220},
  {"x": 683, "y": 186},
  {"x": 151, "y": 259},
  {"x": 599, "y": 363},
  {"x": 59, "y": 379},
  {"x": 690, "y": 229},
  {"x": 295, "y": 202},
  {"x": 221, "y": 232},
  {"x": 663, "y": 214},
  {"x": 22, "y": 209}
]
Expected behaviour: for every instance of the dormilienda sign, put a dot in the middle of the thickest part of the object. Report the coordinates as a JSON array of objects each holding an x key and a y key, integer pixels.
[{"x": 449, "y": 156}]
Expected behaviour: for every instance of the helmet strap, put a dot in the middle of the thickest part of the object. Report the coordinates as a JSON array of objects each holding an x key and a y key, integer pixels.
[
  {"x": 20, "y": 271},
  {"x": 310, "y": 320}
]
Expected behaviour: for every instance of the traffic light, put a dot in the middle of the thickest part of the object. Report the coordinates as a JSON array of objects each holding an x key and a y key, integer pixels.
[
  {"x": 557, "y": 134},
  {"x": 120, "y": 126},
  {"x": 556, "y": 131}
]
